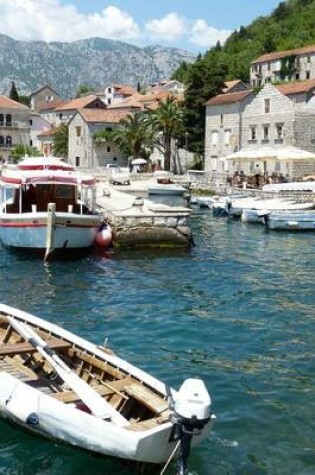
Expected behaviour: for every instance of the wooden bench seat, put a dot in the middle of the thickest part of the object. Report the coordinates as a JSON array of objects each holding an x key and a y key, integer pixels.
[
  {"x": 8, "y": 349},
  {"x": 111, "y": 387},
  {"x": 152, "y": 401}
]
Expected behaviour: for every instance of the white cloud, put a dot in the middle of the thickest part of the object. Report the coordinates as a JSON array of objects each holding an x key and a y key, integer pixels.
[
  {"x": 204, "y": 35},
  {"x": 52, "y": 20},
  {"x": 49, "y": 20},
  {"x": 170, "y": 28}
]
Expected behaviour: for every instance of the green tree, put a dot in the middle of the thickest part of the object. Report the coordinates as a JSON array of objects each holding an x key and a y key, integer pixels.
[
  {"x": 60, "y": 141},
  {"x": 13, "y": 93},
  {"x": 206, "y": 80},
  {"x": 21, "y": 151},
  {"x": 83, "y": 89},
  {"x": 134, "y": 135},
  {"x": 167, "y": 120}
]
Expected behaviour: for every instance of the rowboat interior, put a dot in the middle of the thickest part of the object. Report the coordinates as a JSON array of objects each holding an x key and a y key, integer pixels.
[{"x": 141, "y": 406}]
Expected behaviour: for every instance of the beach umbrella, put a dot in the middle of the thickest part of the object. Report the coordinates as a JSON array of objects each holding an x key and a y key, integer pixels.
[{"x": 138, "y": 161}]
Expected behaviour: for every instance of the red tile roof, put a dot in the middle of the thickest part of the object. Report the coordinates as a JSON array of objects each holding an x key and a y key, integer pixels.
[
  {"x": 103, "y": 115},
  {"x": 46, "y": 106},
  {"x": 7, "y": 103},
  {"x": 296, "y": 87},
  {"x": 228, "y": 98},
  {"x": 78, "y": 102},
  {"x": 283, "y": 54}
]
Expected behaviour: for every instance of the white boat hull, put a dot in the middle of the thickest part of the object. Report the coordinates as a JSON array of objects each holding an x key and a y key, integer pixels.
[
  {"x": 40, "y": 412},
  {"x": 172, "y": 190},
  {"x": 292, "y": 221},
  {"x": 28, "y": 230}
]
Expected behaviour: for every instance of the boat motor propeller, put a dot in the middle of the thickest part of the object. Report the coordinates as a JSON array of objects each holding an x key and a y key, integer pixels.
[{"x": 191, "y": 413}]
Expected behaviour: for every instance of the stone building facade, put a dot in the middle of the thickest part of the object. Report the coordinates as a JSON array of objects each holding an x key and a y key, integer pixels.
[
  {"x": 14, "y": 126},
  {"x": 84, "y": 151},
  {"x": 279, "y": 116},
  {"x": 292, "y": 65}
]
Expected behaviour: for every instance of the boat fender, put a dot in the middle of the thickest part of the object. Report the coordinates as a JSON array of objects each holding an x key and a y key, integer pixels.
[
  {"x": 32, "y": 419},
  {"x": 104, "y": 236}
]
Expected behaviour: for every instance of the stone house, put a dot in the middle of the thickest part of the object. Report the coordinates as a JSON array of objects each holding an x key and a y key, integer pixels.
[
  {"x": 279, "y": 117},
  {"x": 84, "y": 151},
  {"x": 44, "y": 95},
  {"x": 291, "y": 65},
  {"x": 65, "y": 112},
  {"x": 115, "y": 93},
  {"x": 224, "y": 125},
  {"x": 38, "y": 125},
  {"x": 14, "y": 126}
]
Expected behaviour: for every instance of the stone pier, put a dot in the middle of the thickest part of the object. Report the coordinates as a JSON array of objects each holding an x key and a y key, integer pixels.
[{"x": 138, "y": 222}]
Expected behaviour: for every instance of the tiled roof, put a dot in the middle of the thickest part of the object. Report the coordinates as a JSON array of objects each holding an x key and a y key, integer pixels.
[
  {"x": 103, "y": 115},
  {"x": 42, "y": 88},
  {"x": 48, "y": 133},
  {"x": 124, "y": 89},
  {"x": 7, "y": 103},
  {"x": 46, "y": 106},
  {"x": 228, "y": 98},
  {"x": 297, "y": 87},
  {"x": 78, "y": 102},
  {"x": 283, "y": 54}
]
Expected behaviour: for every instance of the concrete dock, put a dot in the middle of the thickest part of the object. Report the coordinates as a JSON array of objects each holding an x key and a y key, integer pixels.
[{"x": 139, "y": 222}]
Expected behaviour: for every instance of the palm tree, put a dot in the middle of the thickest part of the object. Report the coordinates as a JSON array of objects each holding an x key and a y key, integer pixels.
[
  {"x": 60, "y": 141},
  {"x": 168, "y": 120},
  {"x": 134, "y": 135}
]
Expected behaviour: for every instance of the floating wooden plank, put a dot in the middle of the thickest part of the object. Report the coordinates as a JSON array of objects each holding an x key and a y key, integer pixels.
[{"x": 152, "y": 401}]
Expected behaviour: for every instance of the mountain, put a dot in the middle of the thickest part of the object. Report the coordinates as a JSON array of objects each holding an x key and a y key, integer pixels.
[{"x": 95, "y": 62}]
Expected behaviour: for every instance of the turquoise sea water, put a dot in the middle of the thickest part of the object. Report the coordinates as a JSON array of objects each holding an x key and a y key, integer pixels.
[{"x": 237, "y": 311}]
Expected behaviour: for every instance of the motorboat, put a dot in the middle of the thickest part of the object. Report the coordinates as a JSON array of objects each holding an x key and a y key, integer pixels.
[
  {"x": 291, "y": 220},
  {"x": 60, "y": 386},
  {"x": 172, "y": 189},
  {"x": 48, "y": 206},
  {"x": 263, "y": 208}
]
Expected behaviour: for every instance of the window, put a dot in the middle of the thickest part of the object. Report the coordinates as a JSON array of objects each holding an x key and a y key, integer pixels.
[
  {"x": 297, "y": 76},
  {"x": 279, "y": 131},
  {"x": 308, "y": 74},
  {"x": 31, "y": 122},
  {"x": 31, "y": 143},
  {"x": 253, "y": 132},
  {"x": 8, "y": 120},
  {"x": 8, "y": 141},
  {"x": 268, "y": 66},
  {"x": 227, "y": 137},
  {"x": 1, "y": 120},
  {"x": 77, "y": 161},
  {"x": 109, "y": 101},
  {"x": 266, "y": 132},
  {"x": 308, "y": 59},
  {"x": 108, "y": 149},
  {"x": 221, "y": 119},
  {"x": 267, "y": 106},
  {"x": 215, "y": 137},
  {"x": 78, "y": 131},
  {"x": 60, "y": 116},
  {"x": 1, "y": 140}
]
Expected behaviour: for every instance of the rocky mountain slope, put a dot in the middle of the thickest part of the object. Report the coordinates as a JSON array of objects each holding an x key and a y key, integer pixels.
[{"x": 95, "y": 62}]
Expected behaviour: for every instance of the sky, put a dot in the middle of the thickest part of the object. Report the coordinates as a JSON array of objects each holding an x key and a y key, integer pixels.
[{"x": 194, "y": 25}]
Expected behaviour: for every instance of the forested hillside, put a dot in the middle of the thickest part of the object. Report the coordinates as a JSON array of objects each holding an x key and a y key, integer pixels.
[{"x": 291, "y": 25}]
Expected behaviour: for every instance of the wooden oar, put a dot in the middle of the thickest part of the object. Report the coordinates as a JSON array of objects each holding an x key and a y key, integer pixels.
[{"x": 98, "y": 406}]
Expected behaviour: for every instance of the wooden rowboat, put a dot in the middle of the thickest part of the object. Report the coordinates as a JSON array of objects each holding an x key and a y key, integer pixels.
[{"x": 61, "y": 386}]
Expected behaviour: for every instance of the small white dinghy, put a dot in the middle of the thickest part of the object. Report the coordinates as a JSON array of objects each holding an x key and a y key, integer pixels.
[{"x": 61, "y": 386}]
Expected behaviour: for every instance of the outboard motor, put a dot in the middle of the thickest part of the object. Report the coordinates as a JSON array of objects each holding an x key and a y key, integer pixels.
[{"x": 191, "y": 414}]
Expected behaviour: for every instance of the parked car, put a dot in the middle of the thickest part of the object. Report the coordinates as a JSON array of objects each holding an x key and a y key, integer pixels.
[{"x": 119, "y": 176}]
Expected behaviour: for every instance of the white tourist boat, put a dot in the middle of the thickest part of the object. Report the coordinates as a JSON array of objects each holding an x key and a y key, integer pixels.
[
  {"x": 61, "y": 386},
  {"x": 48, "y": 206}
]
